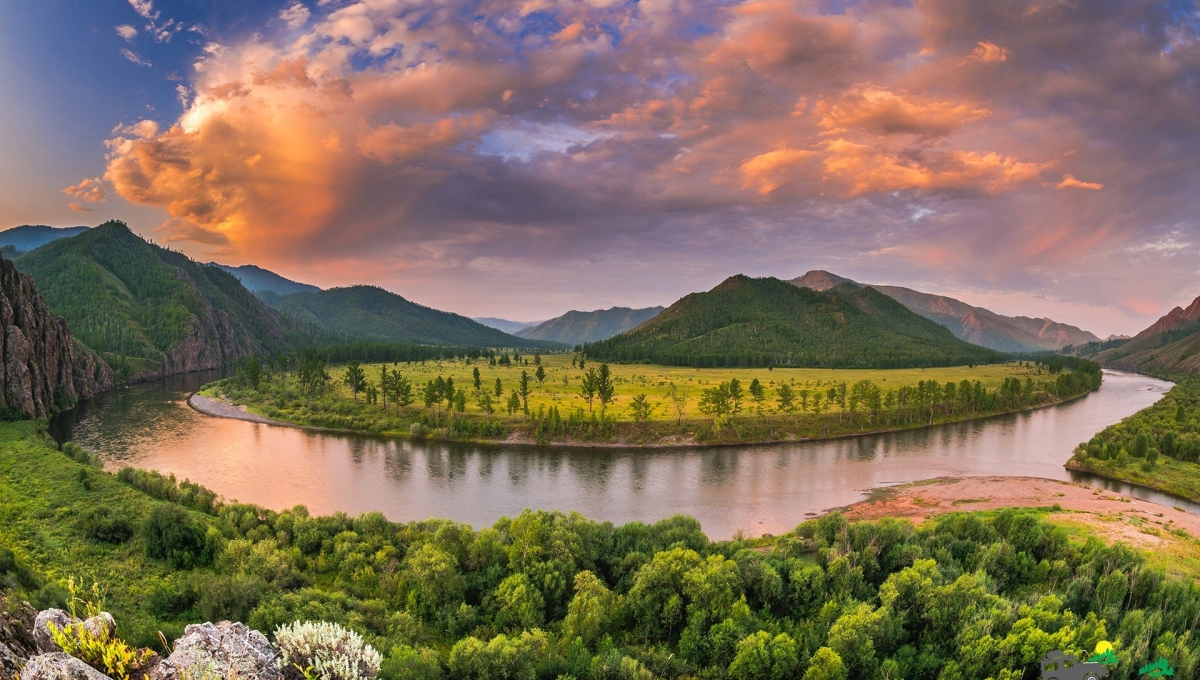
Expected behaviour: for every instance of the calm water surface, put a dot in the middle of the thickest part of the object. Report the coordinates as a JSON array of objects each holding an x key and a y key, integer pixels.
[{"x": 758, "y": 489}]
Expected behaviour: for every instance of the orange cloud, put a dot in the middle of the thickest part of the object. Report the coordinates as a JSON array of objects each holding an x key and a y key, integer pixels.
[
  {"x": 884, "y": 112},
  {"x": 989, "y": 53},
  {"x": 1069, "y": 182},
  {"x": 865, "y": 169},
  {"x": 78, "y": 207},
  {"x": 767, "y": 172},
  {"x": 90, "y": 190}
]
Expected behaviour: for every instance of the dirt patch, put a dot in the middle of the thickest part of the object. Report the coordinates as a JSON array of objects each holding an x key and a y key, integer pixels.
[
  {"x": 1121, "y": 517},
  {"x": 224, "y": 409}
]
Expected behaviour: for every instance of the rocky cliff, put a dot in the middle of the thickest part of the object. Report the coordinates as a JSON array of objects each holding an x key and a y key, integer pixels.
[{"x": 42, "y": 369}]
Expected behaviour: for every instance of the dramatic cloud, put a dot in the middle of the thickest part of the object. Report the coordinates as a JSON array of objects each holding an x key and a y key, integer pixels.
[{"x": 937, "y": 143}]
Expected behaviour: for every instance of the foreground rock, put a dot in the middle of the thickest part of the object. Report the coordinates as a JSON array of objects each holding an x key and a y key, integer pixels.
[
  {"x": 16, "y": 636},
  {"x": 59, "y": 666},
  {"x": 221, "y": 650},
  {"x": 42, "y": 637}
]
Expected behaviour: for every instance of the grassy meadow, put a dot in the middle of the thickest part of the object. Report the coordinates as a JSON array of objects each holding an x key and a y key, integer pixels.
[{"x": 643, "y": 410}]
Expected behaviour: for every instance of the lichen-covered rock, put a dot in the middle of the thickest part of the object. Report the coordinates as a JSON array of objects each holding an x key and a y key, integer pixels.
[
  {"x": 41, "y": 630},
  {"x": 42, "y": 371},
  {"x": 59, "y": 666},
  {"x": 219, "y": 650}
]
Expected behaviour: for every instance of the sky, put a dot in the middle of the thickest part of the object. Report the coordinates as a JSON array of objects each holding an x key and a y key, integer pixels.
[{"x": 520, "y": 158}]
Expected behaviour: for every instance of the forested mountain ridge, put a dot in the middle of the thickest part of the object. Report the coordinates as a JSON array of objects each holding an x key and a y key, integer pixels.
[
  {"x": 1169, "y": 345},
  {"x": 976, "y": 325},
  {"x": 150, "y": 311},
  {"x": 257, "y": 279},
  {"x": 575, "y": 328},
  {"x": 768, "y": 322},
  {"x": 506, "y": 325},
  {"x": 370, "y": 313},
  {"x": 29, "y": 237},
  {"x": 44, "y": 369}
]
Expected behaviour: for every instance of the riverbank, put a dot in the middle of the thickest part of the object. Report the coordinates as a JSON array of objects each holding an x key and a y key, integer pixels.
[{"x": 1162, "y": 530}]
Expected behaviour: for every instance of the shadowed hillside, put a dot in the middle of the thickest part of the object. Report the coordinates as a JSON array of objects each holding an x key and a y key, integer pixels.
[{"x": 576, "y": 328}]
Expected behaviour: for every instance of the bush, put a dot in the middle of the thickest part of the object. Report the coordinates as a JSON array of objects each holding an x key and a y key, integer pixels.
[
  {"x": 327, "y": 651},
  {"x": 107, "y": 525},
  {"x": 172, "y": 534},
  {"x": 106, "y": 654}
]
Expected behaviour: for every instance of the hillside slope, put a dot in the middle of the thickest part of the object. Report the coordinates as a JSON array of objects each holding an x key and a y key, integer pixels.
[
  {"x": 506, "y": 325},
  {"x": 150, "y": 311},
  {"x": 976, "y": 325},
  {"x": 764, "y": 322},
  {"x": 1169, "y": 345},
  {"x": 576, "y": 328},
  {"x": 29, "y": 237},
  {"x": 44, "y": 369},
  {"x": 370, "y": 313},
  {"x": 257, "y": 279}
]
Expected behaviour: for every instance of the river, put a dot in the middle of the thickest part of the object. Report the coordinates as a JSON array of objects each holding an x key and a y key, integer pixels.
[{"x": 758, "y": 489}]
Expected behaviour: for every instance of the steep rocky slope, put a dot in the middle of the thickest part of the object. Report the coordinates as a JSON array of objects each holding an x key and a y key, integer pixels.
[
  {"x": 150, "y": 311},
  {"x": 43, "y": 369},
  {"x": 1169, "y": 345}
]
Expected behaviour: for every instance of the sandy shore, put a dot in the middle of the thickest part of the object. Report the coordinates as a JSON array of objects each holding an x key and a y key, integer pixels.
[
  {"x": 1121, "y": 517},
  {"x": 224, "y": 409}
]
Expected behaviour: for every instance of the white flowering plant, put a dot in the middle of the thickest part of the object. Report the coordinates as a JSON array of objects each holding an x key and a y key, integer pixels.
[{"x": 325, "y": 651}]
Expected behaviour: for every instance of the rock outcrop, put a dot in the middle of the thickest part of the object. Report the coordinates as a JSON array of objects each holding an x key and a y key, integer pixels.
[
  {"x": 16, "y": 636},
  {"x": 59, "y": 666},
  {"x": 223, "y": 649},
  {"x": 42, "y": 370}
]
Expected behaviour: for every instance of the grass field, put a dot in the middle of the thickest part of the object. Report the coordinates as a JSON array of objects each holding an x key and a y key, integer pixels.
[{"x": 562, "y": 383}]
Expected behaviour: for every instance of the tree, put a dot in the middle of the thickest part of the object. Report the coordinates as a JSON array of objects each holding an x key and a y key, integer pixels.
[
  {"x": 735, "y": 396},
  {"x": 514, "y": 403},
  {"x": 537, "y": 359},
  {"x": 641, "y": 409},
  {"x": 253, "y": 372},
  {"x": 460, "y": 401},
  {"x": 499, "y": 388},
  {"x": 825, "y": 664},
  {"x": 483, "y": 399},
  {"x": 605, "y": 389},
  {"x": 385, "y": 385},
  {"x": 587, "y": 387},
  {"x": 715, "y": 401},
  {"x": 762, "y": 657},
  {"x": 758, "y": 394},
  {"x": 355, "y": 378},
  {"x": 525, "y": 391},
  {"x": 540, "y": 373},
  {"x": 786, "y": 398},
  {"x": 519, "y": 605},
  {"x": 679, "y": 400},
  {"x": 475, "y": 375},
  {"x": 402, "y": 391},
  {"x": 590, "y": 611}
]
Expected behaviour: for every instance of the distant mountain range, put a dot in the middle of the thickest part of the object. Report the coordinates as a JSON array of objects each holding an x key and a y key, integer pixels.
[
  {"x": 370, "y": 313},
  {"x": 768, "y": 322},
  {"x": 576, "y": 328},
  {"x": 257, "y": 279},
  {"x": 510, "y": 327},
  {"x": 33, "y": 236},
  {"x": 976, "y": 325},
  {"x": 149, "y": 311}
]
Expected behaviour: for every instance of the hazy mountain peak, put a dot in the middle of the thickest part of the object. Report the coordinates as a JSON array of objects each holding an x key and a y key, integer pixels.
[{"x": 257, "y": 279}]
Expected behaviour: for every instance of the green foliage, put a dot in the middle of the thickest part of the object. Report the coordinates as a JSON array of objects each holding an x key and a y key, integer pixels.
[
  {"x": 107, "y": 654},
  {"x": 768, "y": 322},
  {"x": 326, "y": 651},
  {"x": 171, "y": 534},
  {"x": 111, "y": 525}
]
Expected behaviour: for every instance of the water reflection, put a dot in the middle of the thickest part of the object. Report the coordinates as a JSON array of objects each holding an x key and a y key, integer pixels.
[{"x": 758, "y": 489}]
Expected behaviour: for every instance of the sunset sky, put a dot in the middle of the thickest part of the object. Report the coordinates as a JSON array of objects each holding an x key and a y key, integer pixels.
[{"x": 520, "y": 158}]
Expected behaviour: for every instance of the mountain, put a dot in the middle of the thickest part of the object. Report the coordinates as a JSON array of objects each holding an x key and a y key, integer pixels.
[
  {"x": 763, "y": 322},
  {"x": 370, "y": 313},
  {"x": 150, "y": 311},
  {"x": 44, "y": 370},
  {"x": 976, "y": 325},
  {"x": 257, "y": 279},
  {"x": 1169, "y": 345},
  {"x": 576, "y": 328},
  {"x": 33, "y": 236},
  {"x": 510, "y": 327}
]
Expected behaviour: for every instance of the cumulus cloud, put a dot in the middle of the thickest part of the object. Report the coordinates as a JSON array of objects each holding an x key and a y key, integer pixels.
[
  {"x": 127, "y": 32},
  {"x": 426, "y": 134},
  {"x": 295, "y": 16},
  {"x": 90, "y": 190}
]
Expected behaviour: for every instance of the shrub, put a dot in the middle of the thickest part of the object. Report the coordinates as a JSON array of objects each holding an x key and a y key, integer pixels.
[
  {"x": 109, "y": 655},
  {"x": 105, "y": 524},
  {"x": 172, "y": 534},
  {"x": 327, "y": 651}
]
